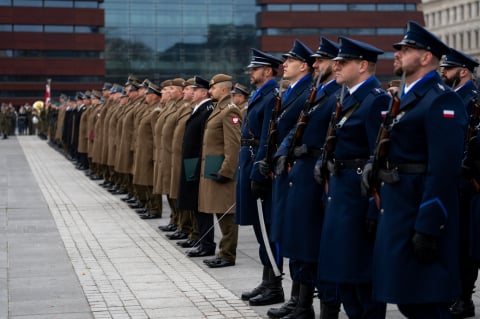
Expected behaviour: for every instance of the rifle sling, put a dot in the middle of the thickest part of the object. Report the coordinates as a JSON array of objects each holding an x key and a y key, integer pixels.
[{"x": 347, "y": 115}]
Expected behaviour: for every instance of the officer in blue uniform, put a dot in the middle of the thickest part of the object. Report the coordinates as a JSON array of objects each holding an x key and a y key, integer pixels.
[
  {"x": 297, "y": 68},
  {"x": 346, "y": 244},
  {"x": 457, "y": 72},
  {"x": 415, "y": 261},
  {"x": 301, "y": 224},
  {"x": 251, "y": 184}
]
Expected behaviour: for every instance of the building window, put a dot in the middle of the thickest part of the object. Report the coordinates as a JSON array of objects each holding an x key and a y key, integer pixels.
[
  {"x": 333, "y": 7},
  {"x": 59, "y": 28},
  {"x": 27, "y": 3},
  {"x": 6, "y": 53},
  {"x": 277, "y": 7},
  {"x": 6, "y": 28},
  {"x": 391, "y": 7},
  {"x": 85, "y": 4},
  {"x": 361, "y": 7},
  {"x": 304, "y": 7},
  {"x": 58, "y": 4},
  {"x": 27, "y": 28},
  {"x": 410, "y": 7}
]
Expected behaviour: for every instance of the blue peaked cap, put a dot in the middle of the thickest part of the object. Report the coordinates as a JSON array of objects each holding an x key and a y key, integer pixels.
[
  {"x": 354, "y": 49},
  {"x": 327, "y": 49},
  {"x": 420, "y": 38},
  {"x": 260, "y": 58},
  {"x": 458, "y": 59},
  {"x": 300, "y": 52}
]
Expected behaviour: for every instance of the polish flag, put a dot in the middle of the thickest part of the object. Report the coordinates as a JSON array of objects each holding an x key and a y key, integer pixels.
[
  {"x": 384, "y": 114},
  {"x": 449, "y": 114},
  {"x": 47, "y": 91}
]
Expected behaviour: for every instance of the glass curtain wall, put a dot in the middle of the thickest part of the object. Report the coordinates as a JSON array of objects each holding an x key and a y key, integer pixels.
[{"x": 160, "y": 39}]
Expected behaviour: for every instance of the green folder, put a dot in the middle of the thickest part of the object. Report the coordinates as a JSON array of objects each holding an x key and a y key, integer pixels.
[
  {"x": 190, "y": 165},
  {"x": 212, "y": 165}
]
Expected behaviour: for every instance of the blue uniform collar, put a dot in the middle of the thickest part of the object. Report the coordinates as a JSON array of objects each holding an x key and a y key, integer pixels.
[
  {"x": 421, "y": 88},
  {"x": 267, "y": 84}
]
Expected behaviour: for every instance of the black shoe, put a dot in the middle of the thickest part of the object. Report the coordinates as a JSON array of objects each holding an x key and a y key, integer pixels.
[
  {"x": 120, "y": 192},
  {"x": 200, "y": 253},
  {"x": 95, "y": 177},
  {"x": 284, "y": 310},
  {"x": 269, "y": 296},
  {"x": 218, "y": 262},
  {"x": 462, "y": 309},
  {"x": 177, "y": 235},
  {"x": 246, "y": 295},
  {"x": 189, "y": 243},
  {"x": 141, "y": 211},
  {"x": 131, "y": 200},
  {"x": 136, "y": 205},
  {"x": 149, "y": 216},
  {"x": 112, "y": 190},
  {"x": 169, "y": 227},
  {"x": 125, "y": 199}
]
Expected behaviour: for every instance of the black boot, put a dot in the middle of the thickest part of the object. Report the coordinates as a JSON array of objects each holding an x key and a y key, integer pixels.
[
  {"x": 329, "y": 310},
  {"x": 260, "y": 288},
  {"x": 304, "y": 308},
  {"x": 273, "y": 292},
  {"x": 463, "y": 308},
  {"x": 288, "y": 307}
]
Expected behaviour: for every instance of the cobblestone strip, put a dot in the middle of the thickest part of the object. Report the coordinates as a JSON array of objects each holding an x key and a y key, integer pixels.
[{"x": 126, "y": 269}]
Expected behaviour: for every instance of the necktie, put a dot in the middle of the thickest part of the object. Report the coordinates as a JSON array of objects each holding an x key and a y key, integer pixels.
[{"x": 287, "y": 93}]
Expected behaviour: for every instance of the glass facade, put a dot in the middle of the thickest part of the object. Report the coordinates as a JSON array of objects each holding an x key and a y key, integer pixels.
[{"x": 160, "y": 40}]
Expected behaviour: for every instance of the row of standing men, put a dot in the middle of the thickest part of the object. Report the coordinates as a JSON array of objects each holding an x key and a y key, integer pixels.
[{"x": 304, "y": 166}]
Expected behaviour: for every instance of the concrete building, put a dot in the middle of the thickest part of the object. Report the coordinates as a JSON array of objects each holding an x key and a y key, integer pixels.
[{"x": 457, "y": 23}]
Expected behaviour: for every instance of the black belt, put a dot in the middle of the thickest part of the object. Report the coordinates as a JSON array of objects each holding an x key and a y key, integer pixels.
[
  {"x": 409, "y": 168},
  {"x": 308, "y": 152},
  {"x": 249, "y": 142},
  {"x": 314, "y": 152},
  {"x": 349, "y": 164}
]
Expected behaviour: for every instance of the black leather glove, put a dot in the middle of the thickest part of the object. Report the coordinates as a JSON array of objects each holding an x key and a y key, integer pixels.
[
  {"x": 425, "y": 247},
  {"x": 264, "y": 167},
  {"x": 281, "y": 165},
  {"x": 366, "y": 179},
  {"x": 301, "y": 150},
  {"x": 219, "y": 178},
  {"x": 259, "y": 190},
  {"x": 317, "y": 173},
  {"x": 371, "y": 229}
]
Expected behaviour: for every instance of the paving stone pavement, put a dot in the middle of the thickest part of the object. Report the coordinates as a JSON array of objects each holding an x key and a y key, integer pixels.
[{"x": 69, "y": 249}]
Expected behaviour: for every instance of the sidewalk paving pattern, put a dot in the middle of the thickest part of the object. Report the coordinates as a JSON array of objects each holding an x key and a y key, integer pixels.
[{"x": 71, "y": 250}]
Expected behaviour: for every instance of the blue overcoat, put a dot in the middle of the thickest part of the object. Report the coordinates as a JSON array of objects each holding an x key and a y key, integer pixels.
[
  {"x": 345, "y": 250},
  {"x": 255, "y": 126},
  {"x": 303, "y": 216},
  {"x": 292, "y": 105},
  {"x": 430, "y": 132}
]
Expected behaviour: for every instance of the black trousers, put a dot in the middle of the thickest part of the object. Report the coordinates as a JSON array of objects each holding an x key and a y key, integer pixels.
[
  {"x": 206, "y": 231},
  {"x": 262, "y": 251}
]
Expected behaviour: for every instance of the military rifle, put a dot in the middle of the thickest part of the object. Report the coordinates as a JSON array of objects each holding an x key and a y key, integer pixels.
[
  {"x": 331, "y": 138},
  {"x": 272, "y": 127},
  {"x": 303, "y": 120},
  {"x": 471, "y": 148},
  {"x": 382, "y": 143}
]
